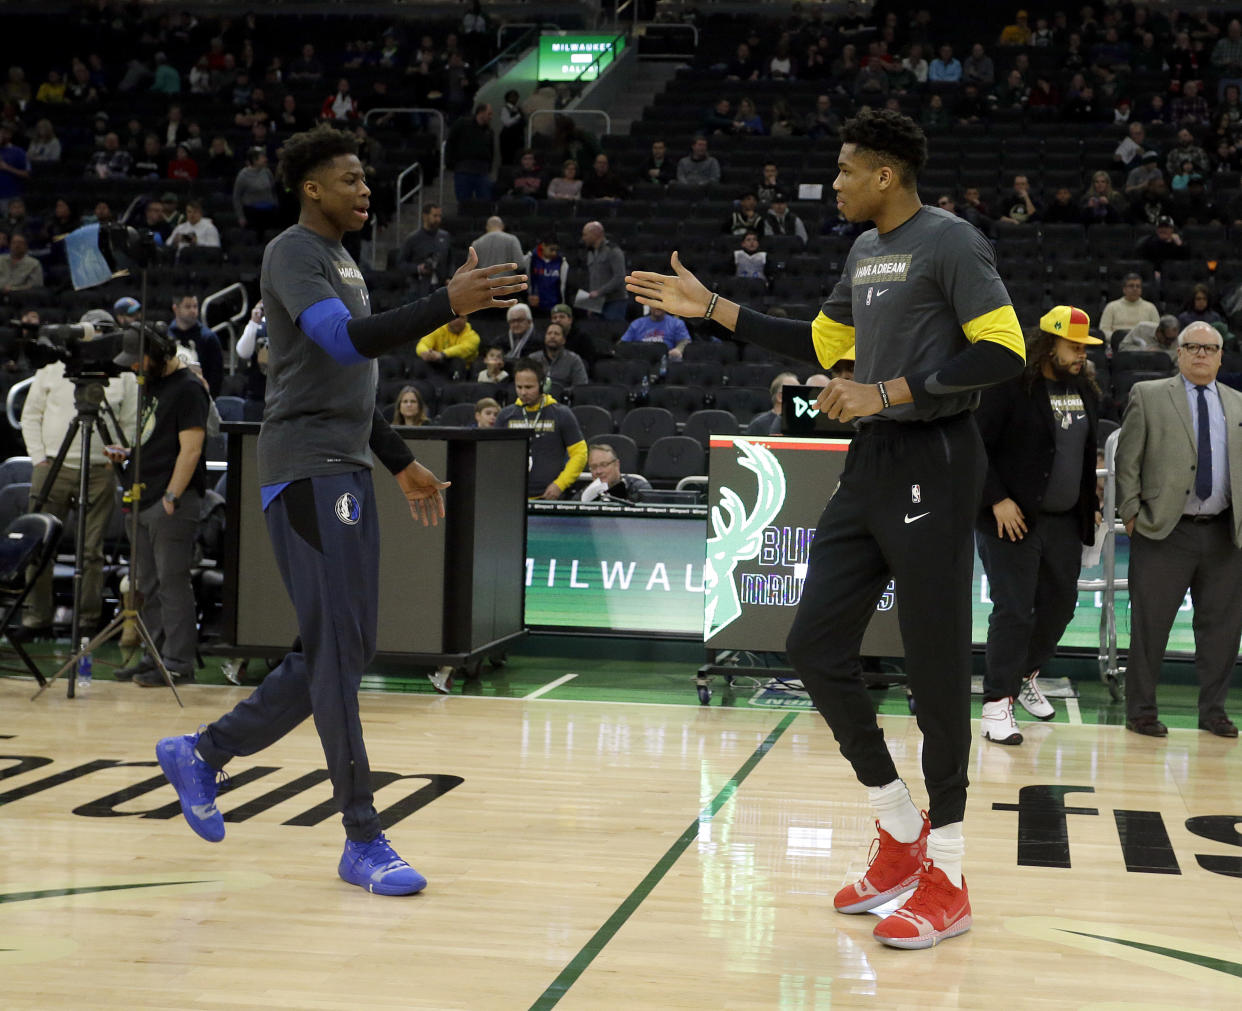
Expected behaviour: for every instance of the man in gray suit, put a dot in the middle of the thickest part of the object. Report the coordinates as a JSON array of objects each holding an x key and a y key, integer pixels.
[{"x": 1179, "y": 469}]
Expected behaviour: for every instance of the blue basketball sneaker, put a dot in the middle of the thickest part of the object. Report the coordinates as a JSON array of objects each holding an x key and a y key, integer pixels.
[
  {"x": 195, "y": 783},
  {"x": 376, "y": 867}
]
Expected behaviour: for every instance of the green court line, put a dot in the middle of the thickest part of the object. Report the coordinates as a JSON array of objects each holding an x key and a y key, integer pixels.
[
  {"x": 1204, "y": 961},
  {"x": 569, "y": 975},
  {"x": 49, "y": 893}
]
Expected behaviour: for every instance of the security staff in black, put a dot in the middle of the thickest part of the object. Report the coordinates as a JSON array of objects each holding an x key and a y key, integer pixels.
[
  {"x": 320, "y": 432},
  {"x": 1039, "y": 508},
  {"x": 922, "y": 310}
]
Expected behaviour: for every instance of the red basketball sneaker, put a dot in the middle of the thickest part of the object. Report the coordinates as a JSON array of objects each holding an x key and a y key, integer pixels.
[
  {"x": 935, "y": 912},
  {"x": 894, "y": 868}
]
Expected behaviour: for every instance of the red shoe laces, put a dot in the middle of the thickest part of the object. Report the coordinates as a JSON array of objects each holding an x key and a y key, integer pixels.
[{"x": 934, "y": 894}]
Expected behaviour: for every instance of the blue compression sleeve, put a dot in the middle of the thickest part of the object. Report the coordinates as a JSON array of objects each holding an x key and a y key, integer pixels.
[{"x": 327, "y": 324}]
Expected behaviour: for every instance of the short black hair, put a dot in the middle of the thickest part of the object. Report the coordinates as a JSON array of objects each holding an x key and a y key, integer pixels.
[
  {"x": 306, "y": 151},
  {"x": 886, "y": 134},
  {"x": 528, "y": 365}
]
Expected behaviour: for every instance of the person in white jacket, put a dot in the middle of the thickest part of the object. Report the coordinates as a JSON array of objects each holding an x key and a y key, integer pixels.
[{"x": 48, "y": 412}]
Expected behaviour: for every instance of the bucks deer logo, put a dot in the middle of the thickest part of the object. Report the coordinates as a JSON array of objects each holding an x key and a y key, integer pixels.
[{"x": 737, "y": 535}]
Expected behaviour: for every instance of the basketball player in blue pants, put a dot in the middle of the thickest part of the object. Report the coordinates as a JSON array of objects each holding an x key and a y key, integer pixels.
[
  {"x": 320, "y": 433},
  {"x": 921, "y": 302}
]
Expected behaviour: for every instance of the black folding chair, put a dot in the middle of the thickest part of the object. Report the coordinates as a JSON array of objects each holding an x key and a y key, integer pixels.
[{"x": 27, "y": 547}]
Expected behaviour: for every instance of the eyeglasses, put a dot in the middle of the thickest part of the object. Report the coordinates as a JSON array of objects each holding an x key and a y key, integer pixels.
[{"x": 1196, "y": 349}]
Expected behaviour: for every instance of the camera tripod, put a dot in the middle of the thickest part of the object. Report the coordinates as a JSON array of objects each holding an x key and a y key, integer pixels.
[{"x": 87, "y": 419}]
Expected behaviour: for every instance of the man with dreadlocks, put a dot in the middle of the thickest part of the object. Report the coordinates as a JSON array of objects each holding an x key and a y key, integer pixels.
[
  {"x": 319, "y": 436},
  {"x": 1039, "y": 508}
]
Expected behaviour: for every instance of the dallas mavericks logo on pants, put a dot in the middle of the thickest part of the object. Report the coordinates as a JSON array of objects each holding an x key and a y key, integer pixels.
[{"x": 347, "y": 509}]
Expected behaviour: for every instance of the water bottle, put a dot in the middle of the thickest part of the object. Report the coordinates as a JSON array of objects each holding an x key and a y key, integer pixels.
[
  {"x": 644, "y": 387},
  {"x": 664, "y": 366},
  {"x": 86, "y": 669}
]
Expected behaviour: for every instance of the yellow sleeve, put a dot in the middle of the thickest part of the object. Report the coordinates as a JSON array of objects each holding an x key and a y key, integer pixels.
[
  {"x": 577, "y": 460},
  {"x": 832, "y": 340},
  {"x": 465, "y": 347},
  {"x": 431, "y": 342},
  {"x": 1000, "y": 326}
]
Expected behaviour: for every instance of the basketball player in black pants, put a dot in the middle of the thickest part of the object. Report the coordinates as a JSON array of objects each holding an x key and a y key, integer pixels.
[{"x": 930, "y": 323}]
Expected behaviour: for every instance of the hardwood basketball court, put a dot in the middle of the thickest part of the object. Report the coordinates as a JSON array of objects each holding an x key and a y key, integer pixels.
[{"x": 599, "y": 855}]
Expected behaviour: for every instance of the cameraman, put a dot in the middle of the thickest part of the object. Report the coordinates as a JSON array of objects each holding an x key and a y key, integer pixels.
[
  {"x": 48, "y": 412},
  {"x": 427, "y": 251},
  {"x": 173, "y": 480}
]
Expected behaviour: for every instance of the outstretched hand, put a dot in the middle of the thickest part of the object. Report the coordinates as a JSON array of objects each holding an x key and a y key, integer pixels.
[
  {"x": 472, "y": 288},
  {"x": 680, "y": 293},
  {"x": 422, "y": 490}
]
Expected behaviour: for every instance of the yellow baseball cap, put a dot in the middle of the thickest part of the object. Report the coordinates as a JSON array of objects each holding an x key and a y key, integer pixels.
[{"x": 1070, "y": 323}]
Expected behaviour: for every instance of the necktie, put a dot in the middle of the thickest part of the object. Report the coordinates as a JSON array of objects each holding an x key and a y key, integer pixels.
[{"x": 1203, "y": 469}]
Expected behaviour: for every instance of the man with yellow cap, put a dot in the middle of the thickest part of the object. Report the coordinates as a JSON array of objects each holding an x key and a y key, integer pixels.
[{"x": 1039, "y": 508}]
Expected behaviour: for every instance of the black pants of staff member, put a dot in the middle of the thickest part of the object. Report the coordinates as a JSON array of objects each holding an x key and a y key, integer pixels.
[
  {"x": 904, "y": 510},
  {"x": 1199, "y": 556},
  {"x": 1034, "y": 588}
]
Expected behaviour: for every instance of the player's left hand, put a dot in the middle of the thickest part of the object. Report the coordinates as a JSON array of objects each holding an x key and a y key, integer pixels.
[
  {"x": 845, "y": 400},
  {"x": 422, "y": 490},
  {"x": 472, "y": 288}
]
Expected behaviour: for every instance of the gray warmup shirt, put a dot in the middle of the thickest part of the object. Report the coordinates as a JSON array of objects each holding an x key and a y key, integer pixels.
[
  {"x": 318, "y": 414},
  {"x": 908, "y": 293}
]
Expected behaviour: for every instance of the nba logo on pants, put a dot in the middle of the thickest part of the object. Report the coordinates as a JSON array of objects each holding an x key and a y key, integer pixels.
[{"x": 916, "y": 495}]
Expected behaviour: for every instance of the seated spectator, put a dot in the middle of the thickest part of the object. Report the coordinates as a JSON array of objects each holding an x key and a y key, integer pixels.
[
  {"x": 659, "y": 167},
  {"x": 1129, "y": 153},
  {"x": 1123, "y": 313},
  {"x": 945, "y": 68},
  {"x": 409, "y": 410},
  {"x": 1017, "y": 34},
  {"x": 559, "y": 365},
  {"x": 15, "y": 218},
  {"x": 289, "y": 117},
  {"x": 784, "y": 123},
  {"x": 871, "y": 84},
  {"x": 1148, "y": 335},
  {"x": 493, "y": 370},
  {"x": 549, "y": 272},
  {"x": 566, "y": 186},
  {"x": 112, "y": 162},
  {"x": 748, "y": 122},
  {"x": 340, "y": 106},
  {"x": 769, "y": 422},
  {"x": 1146, "y": 170},
  {"x": 698, "y": 168},
  {"x": 221, "y": 162},
  {"x": 44, "y": 145},
  {"x": 1063, "y": 210},
  {"x": 525, "y": 179},
  {"x": 1166, "y": 244},
  {"x": 935, "y": 117},
  {"x": 1151, "y": 204},
  {"x": 1011, "y": 93},
  {"x": 782, "y": 66},
  {"x": 750, "y": 260},
  {"x": 978, "y": 68},
  {"x": 770, "y": 183},
  {"x": 658, "y": 325},
  {"x": 1022, "y": 208},
  {"x": 182, "y": 166},
  {"x": 485, "y": 413},
  {"x": 844, "y": 68},
  {"x": 1195, "y": 205},
  {"x": 154, "y": 219},
  {"x": 1181, "y": 178},
  {"x": 450, "y": 350},
  {"x": 823, "y": 121},
  {"x": 1186, "y": 150},
  {"x": 607, "y": 481},
  {"x": 743, "y": 67},
  {"x": 19, "y": 271},
  {"x": 1101, "y": 204},
  {"x": 62, "y": 221},
  {"x": 1083, "y": 106},
  {"x": 1199, "y": 308},
  {"x": 150, "y": 163},
  {"x": 1190, "y": 109},
  {"x": 195, "y": 230},
  {"x": 520, "y": 340},
  {"x": 52, "y": 91},
  {"x": 602, "y": 183},
  {"x": 745, "y": 216},
  {"x": 720, "y": 119},
  {"x": 780, "y": 220}
]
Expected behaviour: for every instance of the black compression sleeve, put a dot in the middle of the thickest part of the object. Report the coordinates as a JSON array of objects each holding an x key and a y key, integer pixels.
[
  {"x": 984, "y": 363},
  {"x": 788, "y": 337},
  {"x": 375, "y": 335},
  {"x": 389, "y": 448}
]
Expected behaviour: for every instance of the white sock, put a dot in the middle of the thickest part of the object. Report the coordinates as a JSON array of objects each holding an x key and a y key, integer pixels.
[
  {"x": 896, "y": 811},
  {"x": 945, "y": 848}
]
